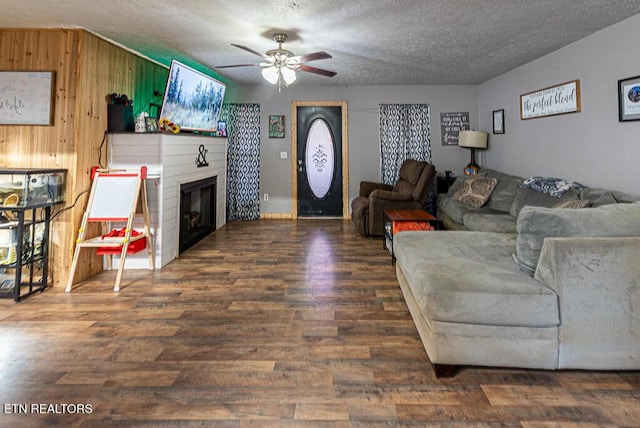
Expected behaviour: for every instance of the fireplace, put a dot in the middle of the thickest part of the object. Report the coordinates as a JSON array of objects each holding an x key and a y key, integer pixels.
[{"x": 197, "y": 211}]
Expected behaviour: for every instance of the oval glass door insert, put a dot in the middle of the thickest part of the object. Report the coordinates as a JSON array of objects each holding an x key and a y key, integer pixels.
[{"x": 319, "y": 158}]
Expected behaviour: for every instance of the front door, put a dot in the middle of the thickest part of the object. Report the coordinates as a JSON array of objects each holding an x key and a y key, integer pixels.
[{"x": 320, "y": 159}]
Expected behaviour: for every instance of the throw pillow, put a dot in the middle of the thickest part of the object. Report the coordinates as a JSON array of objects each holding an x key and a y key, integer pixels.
[
  {"x": 555, "y": 187},
  {"x": 475, "y": 191},
  {"x": 573, "y": 204}
]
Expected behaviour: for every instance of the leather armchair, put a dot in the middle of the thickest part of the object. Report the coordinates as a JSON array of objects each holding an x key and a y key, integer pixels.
[{"x": 409, "y": 193}]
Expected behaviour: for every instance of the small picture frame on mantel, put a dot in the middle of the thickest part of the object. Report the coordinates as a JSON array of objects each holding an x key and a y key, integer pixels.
[{"x": 498, "y": 121}]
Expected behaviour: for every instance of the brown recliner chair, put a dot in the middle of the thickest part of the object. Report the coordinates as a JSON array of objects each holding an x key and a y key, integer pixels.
[{"x": 409, "y": 193}]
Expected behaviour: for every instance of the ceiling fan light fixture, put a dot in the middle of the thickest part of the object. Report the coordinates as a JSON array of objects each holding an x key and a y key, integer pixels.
[
  {"x": 280, "y": 65},
  {"x": 270, "y": 74},
  {"x": 288, "y": 75}
]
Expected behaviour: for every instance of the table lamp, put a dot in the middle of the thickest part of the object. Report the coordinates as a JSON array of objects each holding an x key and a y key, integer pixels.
[{"x": 472, "y": 140}]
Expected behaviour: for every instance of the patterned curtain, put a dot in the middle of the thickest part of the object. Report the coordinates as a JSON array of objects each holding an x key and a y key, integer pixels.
[
  {"x": 404, "y": 134},
  {"x": 243, "y": 160}
]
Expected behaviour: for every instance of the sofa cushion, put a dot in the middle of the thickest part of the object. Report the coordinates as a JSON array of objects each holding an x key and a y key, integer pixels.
[
  {"x": 455, "y": 209},
  {"x": 534, "y": 224},
  {"x": 605, "y": 197},
  {"x": 505, "y": 192},
  {"x": 625, "y": 198},
  {"x": 530, "y": 197},
  {"x": 490, "y": 221},
  {"x": 470, "y": 277},
  {"x": 475, "y": 191}
]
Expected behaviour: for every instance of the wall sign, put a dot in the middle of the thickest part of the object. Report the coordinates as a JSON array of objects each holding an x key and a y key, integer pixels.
[
  {"x": 559, "y": 99},
  {"x": 450, "y": 126},
  {"x": 26, "y": 97},
  {"x": 276, "y": 126}
]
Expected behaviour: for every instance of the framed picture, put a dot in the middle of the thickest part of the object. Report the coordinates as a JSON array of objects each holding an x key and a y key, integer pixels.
[
  {"x": 558, "y": 99},
  {"x": 26, "y": 97},
  {"x": 450, "y": 126},
  {"x": 152, "y": 124},
  {"x": 222, "y": 128},
  {"x": 276, "y": 126},
  {"x": 629, "y": 99},
  {"x": 498, "y": 121}
]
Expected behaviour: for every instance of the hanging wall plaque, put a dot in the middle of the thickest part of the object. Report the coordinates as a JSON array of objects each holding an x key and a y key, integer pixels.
[
  {"x": 26, "y": 97},
  {"x": 450, "y": 126},
  {"x": 559, "y": 99}
]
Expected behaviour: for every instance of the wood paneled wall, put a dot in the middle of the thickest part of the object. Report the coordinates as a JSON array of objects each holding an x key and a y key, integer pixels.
[{"x": 87, "y": 69}]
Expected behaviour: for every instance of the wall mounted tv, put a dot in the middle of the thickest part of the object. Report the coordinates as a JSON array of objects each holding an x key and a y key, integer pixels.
[{"x": 192, "y": 99}]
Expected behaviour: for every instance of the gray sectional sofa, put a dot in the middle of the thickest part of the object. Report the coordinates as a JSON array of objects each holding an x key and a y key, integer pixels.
[
  {"x": 539, "y": 287},
  {"x": 501, "y": 211}
]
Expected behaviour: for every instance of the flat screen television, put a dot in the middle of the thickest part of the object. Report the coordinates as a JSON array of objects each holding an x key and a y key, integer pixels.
[{"x": 192, "y": 100}]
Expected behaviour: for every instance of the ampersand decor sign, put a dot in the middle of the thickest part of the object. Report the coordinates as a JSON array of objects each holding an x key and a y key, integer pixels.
[{"x": 201, "y": 159}]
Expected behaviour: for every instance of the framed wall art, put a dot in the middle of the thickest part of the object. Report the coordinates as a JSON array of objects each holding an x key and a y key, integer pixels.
[
  {"x": 559, "y": 99},
  {"x": 450, "y": 126},
  {"x": 498, "y": 121},
  {"x": 276, "y": 126},
  {"x": 26, "y": 97},
  {"x": 222, "y": 128},
  {"x": 629, "y": 99}
]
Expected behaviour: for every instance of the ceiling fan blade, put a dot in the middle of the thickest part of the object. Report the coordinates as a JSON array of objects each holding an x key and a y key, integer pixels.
[
  {"x": 239, "y": 65},
  {"x": 315, "y": 70},
  {"x": 249, "y": 50},
  {"x": 310, "y": 57}
]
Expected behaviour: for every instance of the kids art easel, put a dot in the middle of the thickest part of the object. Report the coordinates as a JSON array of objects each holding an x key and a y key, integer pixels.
[{"x": 114, "y": 199}]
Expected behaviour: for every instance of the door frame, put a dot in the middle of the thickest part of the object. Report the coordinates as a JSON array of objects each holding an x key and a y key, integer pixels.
[{"x": 294, "y": 151}]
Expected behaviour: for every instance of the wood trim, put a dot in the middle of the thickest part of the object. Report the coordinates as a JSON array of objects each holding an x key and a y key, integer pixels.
[
  {"x": 345, "y": 153},
  {"x": 294, "y": 157},
  {"x": 275, "y": 216}
]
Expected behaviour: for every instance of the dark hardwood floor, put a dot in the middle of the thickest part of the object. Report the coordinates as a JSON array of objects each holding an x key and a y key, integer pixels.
[{"x": 270, "y": 323}]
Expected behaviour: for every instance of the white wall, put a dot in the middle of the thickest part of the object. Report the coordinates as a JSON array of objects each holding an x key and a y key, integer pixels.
[
  {"x": 363, "y": 121},
  {"x": 591, "y": 147}
]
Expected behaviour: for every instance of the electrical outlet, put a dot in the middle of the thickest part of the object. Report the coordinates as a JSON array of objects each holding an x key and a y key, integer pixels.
[
  {"x": 283, "y": 155},
  {"x": 266, "y": 196}
]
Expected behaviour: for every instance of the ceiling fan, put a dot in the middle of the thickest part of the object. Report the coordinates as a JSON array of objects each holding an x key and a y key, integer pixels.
[{"x": 281, "y": 65}]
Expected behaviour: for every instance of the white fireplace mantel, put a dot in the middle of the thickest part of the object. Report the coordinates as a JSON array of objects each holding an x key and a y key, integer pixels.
[{"x": 171, "y": 160}]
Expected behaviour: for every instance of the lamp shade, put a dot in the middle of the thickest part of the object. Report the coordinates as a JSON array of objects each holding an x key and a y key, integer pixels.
[
  {"x": 270, "y": 74},
  {"x": 288, "y": 75},
  {"x": 473, "y": 139}
]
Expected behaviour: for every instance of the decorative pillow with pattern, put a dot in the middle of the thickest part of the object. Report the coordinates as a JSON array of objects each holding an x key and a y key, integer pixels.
[
  {"x": 475, "y": 191},
  {"x": 573, "y": 204},
  {"x": 555, "y": 187}
]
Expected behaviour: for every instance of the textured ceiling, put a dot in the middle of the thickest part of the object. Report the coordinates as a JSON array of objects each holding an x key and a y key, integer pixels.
[{"x": 373, "y": 42}]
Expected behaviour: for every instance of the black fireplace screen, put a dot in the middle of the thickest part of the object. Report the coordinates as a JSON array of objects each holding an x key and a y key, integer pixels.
[{"x": 197, "y": 211}]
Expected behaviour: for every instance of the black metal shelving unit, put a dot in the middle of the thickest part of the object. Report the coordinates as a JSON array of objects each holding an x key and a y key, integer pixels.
[{"x": 25, "y": 273}]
